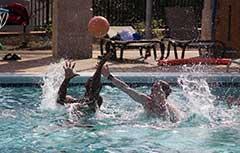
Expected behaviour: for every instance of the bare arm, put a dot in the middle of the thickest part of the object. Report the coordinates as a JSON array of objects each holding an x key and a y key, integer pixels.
[
  {"x": 62, "y": 92},
  {"x": 135, "y": 95},
  {"x": 173, "y": 112}
]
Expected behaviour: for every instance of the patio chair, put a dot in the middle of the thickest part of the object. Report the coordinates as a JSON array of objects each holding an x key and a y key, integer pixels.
[
  {"x": 182, "y": 31},
  {"x": 125, "y": 37}
]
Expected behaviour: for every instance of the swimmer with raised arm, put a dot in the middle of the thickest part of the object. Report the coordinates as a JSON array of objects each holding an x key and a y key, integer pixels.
[
  {"x": 155, "y": 104},
  {"x": 91, "y": 101}
]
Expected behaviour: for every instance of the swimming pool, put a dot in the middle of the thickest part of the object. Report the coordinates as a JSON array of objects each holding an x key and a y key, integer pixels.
[{"x": 30, "y": 124}]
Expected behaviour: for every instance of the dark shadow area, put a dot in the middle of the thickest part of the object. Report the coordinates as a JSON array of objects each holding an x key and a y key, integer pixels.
[
  {"x": 16, "y": 66},
  {"x": 128, "y": 61}
]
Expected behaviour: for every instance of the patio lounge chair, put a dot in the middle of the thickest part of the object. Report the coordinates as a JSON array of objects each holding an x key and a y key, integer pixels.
[
  {"x": 125, "y": 37},
  {"x": 182, "y": 31}
]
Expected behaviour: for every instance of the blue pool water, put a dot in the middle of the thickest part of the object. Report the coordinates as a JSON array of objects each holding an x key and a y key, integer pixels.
[{"x": 30, "y": 124}]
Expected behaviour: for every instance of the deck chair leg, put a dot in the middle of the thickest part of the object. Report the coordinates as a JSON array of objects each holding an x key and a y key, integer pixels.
[
  {"x": 121, "y": 53},
  {"x": 162, "y": 49},
  {"x": 107, "y": 47},
  {"x": 183, "y": 51},
  {"x": 147, "y": 53},
  {"x": 114, "y": 50},
  {"x": 140, "y": 51},
  {"x": 110, "y": 47},
  {"x": 200, "y": 52},
  {"x": 168, "y": 50},
  {"x": 223, "y": 52},
  {"x": 154, "y": 52},
  {"x": 208, "y": 52},
  {"x": 175, "y": 51},
  {"x": 101, "y": 46}
]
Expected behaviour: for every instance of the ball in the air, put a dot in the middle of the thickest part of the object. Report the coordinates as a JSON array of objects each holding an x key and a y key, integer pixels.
[{"x": 98, "y": 26}]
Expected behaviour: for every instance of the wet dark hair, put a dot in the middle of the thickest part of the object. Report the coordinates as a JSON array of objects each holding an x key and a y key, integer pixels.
[{"x": 165, "y": 87}]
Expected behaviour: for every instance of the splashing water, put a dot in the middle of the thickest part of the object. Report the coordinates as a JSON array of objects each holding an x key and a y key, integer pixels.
[
  {"x": 198, "y": 68},
  {"x": 199, "y": 99},
  {"x": 52, "y": 81},
  {"x": 198, "y": 95}
]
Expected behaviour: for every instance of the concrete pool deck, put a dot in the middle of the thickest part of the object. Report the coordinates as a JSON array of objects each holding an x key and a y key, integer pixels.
[{"x": 37, "y": 62}]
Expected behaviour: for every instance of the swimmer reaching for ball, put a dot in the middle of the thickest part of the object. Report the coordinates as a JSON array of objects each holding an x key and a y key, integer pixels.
[
  {"x": 156, "y": 104},
  {"x": 91, "y": 101}
]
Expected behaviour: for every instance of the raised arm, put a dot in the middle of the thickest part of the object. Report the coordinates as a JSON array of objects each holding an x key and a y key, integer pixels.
[
  {"x": 69, "y": 74},
  {"x": 135, "y": 95}
]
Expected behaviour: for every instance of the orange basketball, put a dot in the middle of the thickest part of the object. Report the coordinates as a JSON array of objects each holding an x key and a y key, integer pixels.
[{"x": 98, "y": 26}]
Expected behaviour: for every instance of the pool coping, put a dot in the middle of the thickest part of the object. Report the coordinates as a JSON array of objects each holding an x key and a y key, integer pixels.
[{"x": 12, "y": 79}]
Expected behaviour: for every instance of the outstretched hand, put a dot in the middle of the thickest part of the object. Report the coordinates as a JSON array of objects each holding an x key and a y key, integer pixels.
[{"x": 68, "y": 68}]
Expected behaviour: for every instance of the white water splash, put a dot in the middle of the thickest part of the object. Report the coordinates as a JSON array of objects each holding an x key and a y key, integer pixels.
[
  {"x": 200, "y": 100},
  {"x": 197, "y": 92},
  {"x": 199, "y": 97},
  {"x": 198, "y": 68},
  {"x": 74, "y": 114},
  {"x": 52, "y": 81}
]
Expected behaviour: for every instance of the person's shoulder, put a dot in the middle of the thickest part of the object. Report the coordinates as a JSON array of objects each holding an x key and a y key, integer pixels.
[
  {"x": 147, "y": 101},
  {"x": 171, "y": 106}
]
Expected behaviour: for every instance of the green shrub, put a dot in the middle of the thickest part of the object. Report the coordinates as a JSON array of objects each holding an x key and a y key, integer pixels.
[{"x": 156, "y": 25}]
